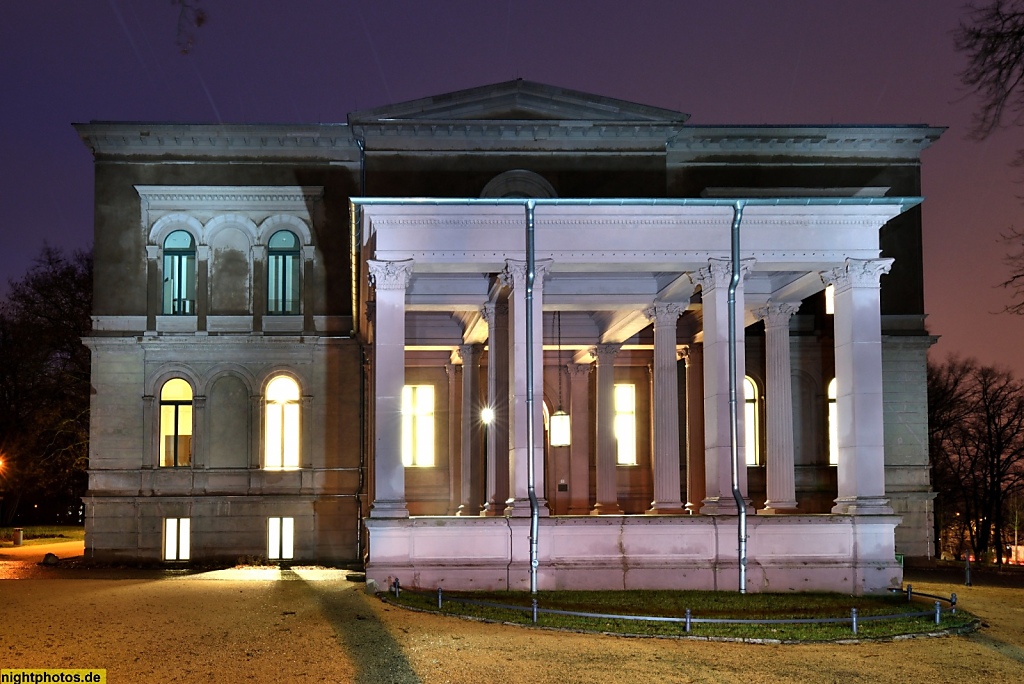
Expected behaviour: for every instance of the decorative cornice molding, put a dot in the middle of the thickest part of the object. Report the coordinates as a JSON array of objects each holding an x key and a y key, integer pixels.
[
  {"x": 904, "y": 142},
  {"x": 229, "y": 197}
]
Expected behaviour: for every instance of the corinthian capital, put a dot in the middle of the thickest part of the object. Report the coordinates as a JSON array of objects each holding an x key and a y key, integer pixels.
[
  {"x": 390, "y": 275},
  {"x": 663, "y": 312},
  {"x": 719, "y": 272},
  {"x": 514, "y": 275},
  {"x": 857, "y": 273},
  {"x": 776, "y": 314}
]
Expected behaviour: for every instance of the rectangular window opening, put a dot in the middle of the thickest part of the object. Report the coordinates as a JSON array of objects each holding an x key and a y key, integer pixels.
[
  {"x": 625, "y": 424},
  {"x": 280, "y": 538},
  {"x": 418, "y": 426},
  {"x": 177, "y": 543}
]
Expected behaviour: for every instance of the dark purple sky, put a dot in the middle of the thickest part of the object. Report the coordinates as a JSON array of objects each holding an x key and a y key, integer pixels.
[{"x": 726, "y": 62}]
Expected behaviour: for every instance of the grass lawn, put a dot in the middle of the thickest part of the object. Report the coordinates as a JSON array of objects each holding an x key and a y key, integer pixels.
[
  {"x": 702, "y": 604},
  {"x": 43, "y": 534}
]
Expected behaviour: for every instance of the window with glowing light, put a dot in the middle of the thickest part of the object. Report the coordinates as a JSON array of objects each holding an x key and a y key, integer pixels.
[
  {"x": 179, "y": 274},
  {"x": 418, "y": 426},
  {"x": 833, "y": 424},
  {"x": 177, "y": 534},
  {"x": 283, "y": 278},
  {"x": 175, "y": 424},
  {"x": 281, "y": 450},
  {"x": 750, "y": 422},
  {"x": 625, "y": 424},
  {"x": 280, "y": 538},
  {"x": 830, "y": 299}
]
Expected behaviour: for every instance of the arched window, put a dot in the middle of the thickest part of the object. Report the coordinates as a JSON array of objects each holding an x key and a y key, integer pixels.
[
  {"x": 179, "y": 274},
  {"x": 282, "y": 424},
  {"x": 833, "y": 425},
  {"x": 750, "y": 422},
  {"x": 283, "y": 278},
  {"x": 175, "y": 424}
]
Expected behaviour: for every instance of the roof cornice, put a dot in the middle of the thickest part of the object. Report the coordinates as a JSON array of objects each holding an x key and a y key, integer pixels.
[{"x": 899, "y": 142}]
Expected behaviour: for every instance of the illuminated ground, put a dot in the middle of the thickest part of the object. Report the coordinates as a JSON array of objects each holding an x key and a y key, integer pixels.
[{"x": 249, "y": 626}]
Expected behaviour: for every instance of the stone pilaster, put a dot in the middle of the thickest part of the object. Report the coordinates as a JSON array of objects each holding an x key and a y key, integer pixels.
[
  {"x": 858, "y": 340},
  {"x": 579, "y": 449},
  {"x": 389, "y": 280},
  {"x": 469, "y": 499},
  {"x": 693, "y": 354},
  {"x": 665, "y": 407},
  {"x": 496, "y": 486},
  {"x": 714, "y": 281},
  {"x": 455, "y": 374},
  {"x": 780, "y": 476},
  {"x": 607, "y": 486}
]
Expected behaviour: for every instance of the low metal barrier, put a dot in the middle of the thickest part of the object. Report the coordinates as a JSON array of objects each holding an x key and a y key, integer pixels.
[{"x": 688, "y": 620}]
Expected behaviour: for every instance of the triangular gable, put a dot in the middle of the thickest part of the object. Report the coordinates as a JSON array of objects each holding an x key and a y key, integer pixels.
[{"x": 518, "y": 100}]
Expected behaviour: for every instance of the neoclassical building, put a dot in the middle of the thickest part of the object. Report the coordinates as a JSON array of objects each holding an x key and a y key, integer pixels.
[{"x": 310, "y": 345}]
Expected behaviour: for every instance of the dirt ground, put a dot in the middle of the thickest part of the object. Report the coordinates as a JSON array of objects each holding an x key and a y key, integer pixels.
[{"x": 308, "y": 625}]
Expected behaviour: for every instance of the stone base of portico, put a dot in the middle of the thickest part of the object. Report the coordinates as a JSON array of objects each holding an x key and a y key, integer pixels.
[{"x": 843, "y": 553}]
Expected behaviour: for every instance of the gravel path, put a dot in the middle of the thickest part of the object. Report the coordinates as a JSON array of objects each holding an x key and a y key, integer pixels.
[{"x": 314, "y": 626}]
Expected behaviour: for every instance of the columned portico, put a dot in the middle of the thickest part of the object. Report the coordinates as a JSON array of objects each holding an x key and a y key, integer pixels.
[
  {"x": 714, "y": 282},
  {"x": 389, "y": 280},
  {"x": 858, "y": 342},
  {"x": 781, "y": 481}
]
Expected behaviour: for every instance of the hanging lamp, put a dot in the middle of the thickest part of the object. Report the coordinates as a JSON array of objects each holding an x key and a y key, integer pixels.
[{"x": 559, "y": 431}]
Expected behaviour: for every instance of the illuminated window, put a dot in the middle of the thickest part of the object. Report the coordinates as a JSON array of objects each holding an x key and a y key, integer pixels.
[
  {"x": 418, "y": 426},
  {"x": 833, "y": 425},
  {"x": 280, "y": 538},
  {"x": 750, "y": 426},
  {"x": 175, "y": 424},
  {"x": 179, "y": 274},
  {"x": 625, "y": 424},
  {"x": 283, "y": 279},
  {"x": 282, "y": 424},
  {"x": 830, "y": 299},
  {"x": 176, "y": 538}
]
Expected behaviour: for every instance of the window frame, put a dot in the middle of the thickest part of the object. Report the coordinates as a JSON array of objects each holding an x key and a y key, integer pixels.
[
  {"x": 752, "y": 455},
  {"x": 284, "y": 273},
  {"x": 175, "y": 433},
  {"x": 625, "y": 421},
  {"x": 280, "y": 538},
  {"x": 288, "y": 418},
  {"x": 832, "y": 417},
  {"x": 416, "y": 418},
  {"x": 179, "y": 276},
  {"x": 178, "y": 531}
]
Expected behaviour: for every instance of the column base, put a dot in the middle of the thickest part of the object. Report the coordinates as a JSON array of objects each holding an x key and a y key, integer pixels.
[
  {"x": 666, "y": 508},
  {"x": 862, "y": 505},
  {"x": 606, "y": 509},
  {"x": 389, "y": 509},
  {"x": 493, "y": 509},
  {"x": 723, "y": 506},
  {"x": 468, "y": 509},
  {"x": 520, "y": 508},
  {"x": 781, "y": 507}
]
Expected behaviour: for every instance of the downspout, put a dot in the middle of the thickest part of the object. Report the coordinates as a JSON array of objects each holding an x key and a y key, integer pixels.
[
  {"x": 356, "y": 243},
  {"x": 531, "y": 487},
  {"x": 741, "y": 506}
]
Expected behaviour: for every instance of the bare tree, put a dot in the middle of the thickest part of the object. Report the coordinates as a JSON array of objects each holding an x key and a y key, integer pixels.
[{"x": 976, "y": 425}]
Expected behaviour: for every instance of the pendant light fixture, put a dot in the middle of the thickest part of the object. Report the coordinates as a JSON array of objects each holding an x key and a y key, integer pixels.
[{"x": 559, "y": 432}]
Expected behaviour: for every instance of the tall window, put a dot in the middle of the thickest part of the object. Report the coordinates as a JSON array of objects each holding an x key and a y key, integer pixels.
[
  {"x": 282, "y": 424},
  {"x": 175, "y": 424},
  {"x": 177, "y": 543},
  {"x": 750, "y": 426},
  {"x": 625, "y": 424},
  {"x": 179, "y": 274},
  {"x": 280, "y": 538},
  {"x": 418, "y": 426},
  {"x": 283, "y": 280},
  {"x": 833, "y": 425}
]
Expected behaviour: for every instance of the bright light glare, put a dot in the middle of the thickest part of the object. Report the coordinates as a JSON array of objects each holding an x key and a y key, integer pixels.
[{"x": 486, "y": 415}]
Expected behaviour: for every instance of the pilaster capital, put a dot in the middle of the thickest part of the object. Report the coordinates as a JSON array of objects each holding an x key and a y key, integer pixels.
[
  {"x": 579, "y": 370},
  {"x": 692, "y": 354},
  {"x": 776, "y": 314},
  {"x": 470, "y": 354},
  {"x": 390, "y": 275},
  {"x": 453, "y": 370},
  {"x": 605, "y": 353},
  {"x": 718, "y": 273},
  {"x": 514, "y": 274},
  {"x": 153, "y": 251},
  {"x": 202, "y": 252},
  {"x": 857, "y": 273},
  {"x": 492, "y": 310},
  {"x": 661, "y": 313}
]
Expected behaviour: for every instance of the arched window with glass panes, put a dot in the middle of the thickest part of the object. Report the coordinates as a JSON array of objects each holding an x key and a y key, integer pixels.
[
  {"x": 282, "y": 424},
  {"x": 751, "y": 426},
  {"x": 175, "y": 424},
  {"x": 179, "y": 287},
  {"x": 284, "y": 282}
]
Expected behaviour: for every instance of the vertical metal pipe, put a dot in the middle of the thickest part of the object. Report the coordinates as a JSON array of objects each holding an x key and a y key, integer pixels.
[
  {"x": 531, "y": 488},
  {"x": 741, "y": 506}
]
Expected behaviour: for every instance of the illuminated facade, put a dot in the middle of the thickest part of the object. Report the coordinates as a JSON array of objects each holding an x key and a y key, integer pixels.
[{"x": 284, "y": 370}]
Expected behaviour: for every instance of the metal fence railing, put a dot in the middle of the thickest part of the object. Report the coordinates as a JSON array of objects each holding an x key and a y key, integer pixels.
[{"x": 688, "y": 620}]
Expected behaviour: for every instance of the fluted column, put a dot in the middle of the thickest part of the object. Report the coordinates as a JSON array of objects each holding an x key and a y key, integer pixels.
[
  {"x": 780, "y": 475},
  {"x": 514, "y": 276},
  {"x": 858, "y": 340},
  {"x": 714, "y": 281},
  {"x": 667, "y": 498},
  {"x": 607, "y": 485},
  {"x": 469, "y": 503},
  {"x": 389, "y": 280},
  {"x": 695, "y": 484},
  {"x": 455, "y": 374},
  {"x": 579, "y": 448},
  {"x": 496, "y": 466}
]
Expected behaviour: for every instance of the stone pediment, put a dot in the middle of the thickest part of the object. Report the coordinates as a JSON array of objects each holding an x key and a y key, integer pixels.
[{"x": 517, "y": 100}]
